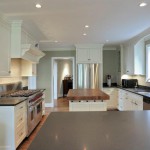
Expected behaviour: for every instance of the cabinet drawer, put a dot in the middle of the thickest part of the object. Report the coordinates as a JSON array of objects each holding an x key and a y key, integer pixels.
[
  {"x": 19, "y": 118},
  {"x": 20, "y": 133},
  {"x": 21, "y": 107}
]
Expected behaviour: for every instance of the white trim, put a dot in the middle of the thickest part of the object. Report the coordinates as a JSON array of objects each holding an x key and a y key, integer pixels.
[
  {"x": 52, "y": 71},
  {"x": 49, "y": 105},
  {"x": 59, "y": 49}
]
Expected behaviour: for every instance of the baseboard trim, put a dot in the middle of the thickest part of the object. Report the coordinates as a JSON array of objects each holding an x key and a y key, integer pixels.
[{"x": 49, "y": 105}]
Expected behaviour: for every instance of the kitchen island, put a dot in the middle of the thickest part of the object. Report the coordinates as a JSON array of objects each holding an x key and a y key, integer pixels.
[
  {"x": 87, "y": 100},
  {"x": 109, "y": 130}
]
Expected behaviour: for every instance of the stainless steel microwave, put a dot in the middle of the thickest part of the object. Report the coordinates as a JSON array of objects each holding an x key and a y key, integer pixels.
[{"x": 129, "y": 83}]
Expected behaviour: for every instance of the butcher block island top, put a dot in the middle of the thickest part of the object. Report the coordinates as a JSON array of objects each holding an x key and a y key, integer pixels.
[{"x": 87, "y": 94}]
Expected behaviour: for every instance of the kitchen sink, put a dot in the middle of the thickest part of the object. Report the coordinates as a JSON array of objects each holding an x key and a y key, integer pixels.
[{"x": 143, "y": 92}]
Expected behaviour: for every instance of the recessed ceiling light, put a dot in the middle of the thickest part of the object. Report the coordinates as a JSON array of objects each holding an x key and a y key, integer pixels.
[
  {"x": 107, "y": 40},
  {"x": 56, "y": 41},
  {"x": 86, "y": 26},
  {"x": 38, "y": 5},
  {"x": 143, "y": 4},
  {"x": 84, "y": 34}
]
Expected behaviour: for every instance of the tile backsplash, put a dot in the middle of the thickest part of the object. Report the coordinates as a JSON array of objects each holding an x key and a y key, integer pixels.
[
  {"x": 141, "y": 79},
  {"x": 10, "y": 80},
  {"x": 15, "y": 75}
]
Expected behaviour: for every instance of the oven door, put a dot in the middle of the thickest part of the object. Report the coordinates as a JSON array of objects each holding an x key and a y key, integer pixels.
[
  {"x": 31, "y": 119},
  {"x": 38, "y": 111},
  {"x": 146, "y": 103}
]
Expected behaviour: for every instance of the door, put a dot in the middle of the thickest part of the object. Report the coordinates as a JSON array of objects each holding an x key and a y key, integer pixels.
[
  {"x": 94, "y": 76},
  {"x": 88, "y": 76},
  {"x": 83, "y": 76}
]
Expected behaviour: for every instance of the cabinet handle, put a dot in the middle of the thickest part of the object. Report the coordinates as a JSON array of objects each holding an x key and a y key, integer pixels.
[
  {"x": 21, "y": 119},
  {"x": 21, "y": 134},
  {"x": 135, "y": 103},
  {"x": 89, "y": 59}
]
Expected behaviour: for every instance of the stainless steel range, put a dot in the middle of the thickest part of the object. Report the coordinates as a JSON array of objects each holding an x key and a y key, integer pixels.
[{"x": 34, "y": 105}]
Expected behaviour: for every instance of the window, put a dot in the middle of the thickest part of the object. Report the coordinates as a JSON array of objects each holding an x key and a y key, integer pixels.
[{"x": 148, "y": 63}]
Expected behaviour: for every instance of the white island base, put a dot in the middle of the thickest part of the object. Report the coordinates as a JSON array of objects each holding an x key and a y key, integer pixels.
[{"x": 87, "y": 105}]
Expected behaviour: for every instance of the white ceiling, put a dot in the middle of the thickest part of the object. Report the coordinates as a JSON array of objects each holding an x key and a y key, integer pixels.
[{"x": 64, "y": 20}]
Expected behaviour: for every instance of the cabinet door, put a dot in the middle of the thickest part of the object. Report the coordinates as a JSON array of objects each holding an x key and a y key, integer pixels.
[
  {"x": 139, "y": 58},
  {"x": 137, "y": 102},
  {"x": 82, "y": 55},
  {"x": 128, "y": 60},
  {"x": 95, "y": 55},
  {"x": 20, "y": 123},
  {"x": 113, "y": 101},
  {"x": 4, "y": 50},
  {"x": 28, "y": 68}
]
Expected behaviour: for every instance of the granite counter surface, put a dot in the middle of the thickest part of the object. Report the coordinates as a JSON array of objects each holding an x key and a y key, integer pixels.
[
  {"x": 87, "y": 94},
  {"x": 111, "y": 130},
  {"x": 11, "y": 101},
  {"x": 139, "y": 91}
]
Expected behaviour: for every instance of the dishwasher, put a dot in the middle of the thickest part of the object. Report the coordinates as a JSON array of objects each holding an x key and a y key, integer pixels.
[{"x": 146, "y": 103}]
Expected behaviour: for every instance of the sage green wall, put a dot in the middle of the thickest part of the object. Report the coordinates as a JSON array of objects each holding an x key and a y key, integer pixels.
[
  {"x": 44, "y": 71},
  {"x": 62, "y": 66},
  {"x": 110, "y": 65}
]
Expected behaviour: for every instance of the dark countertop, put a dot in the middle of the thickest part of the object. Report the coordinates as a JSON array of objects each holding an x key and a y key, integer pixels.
[
  {"x": 137, "y": 90},
  {"x": 111, "y": 130},
  {"x": 11, "y": 101},
  {"x": 87, "y": 94}
]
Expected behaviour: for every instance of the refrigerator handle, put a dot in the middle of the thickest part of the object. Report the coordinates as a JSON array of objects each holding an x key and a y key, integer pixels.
[{"x": 89, "y": 76}]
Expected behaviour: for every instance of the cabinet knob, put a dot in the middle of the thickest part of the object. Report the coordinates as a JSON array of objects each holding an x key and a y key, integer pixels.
[{"x": 9, "y": 71}]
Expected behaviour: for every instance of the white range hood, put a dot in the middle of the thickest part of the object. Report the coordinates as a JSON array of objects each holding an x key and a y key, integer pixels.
[
  {"x": 31, "y": 53},
  {"x": 22, "y": 45}
]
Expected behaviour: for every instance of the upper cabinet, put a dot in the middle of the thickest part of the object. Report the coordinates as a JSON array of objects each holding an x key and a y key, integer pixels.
[
  {"x": 4, "y": 49},
  {"x": 134, "y": 58},
  {"x": 89, "y": 53},
  {"x": 28, "y": 68}
]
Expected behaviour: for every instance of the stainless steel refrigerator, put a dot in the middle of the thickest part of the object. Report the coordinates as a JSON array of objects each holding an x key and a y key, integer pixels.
[{"x": 88, "y": 76}]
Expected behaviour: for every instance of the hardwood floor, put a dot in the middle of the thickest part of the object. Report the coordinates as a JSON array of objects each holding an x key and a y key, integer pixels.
[{"x": 60, "y": 105}]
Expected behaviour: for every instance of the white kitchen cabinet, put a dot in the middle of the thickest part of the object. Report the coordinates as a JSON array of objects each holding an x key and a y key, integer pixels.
[
  {"x": 88, "y": 56},
  {"x": 28, "y": 68},
  {"x": 129, "y": 101},
  {"x": 15, "y": 67},
  {"x": 4, "y": 49},
  {"x": 112, "y": 103},
  {"x": 134, "y": 58},
  {"x": 91, "y": 53},
  {"x": 13, "y": 125}
]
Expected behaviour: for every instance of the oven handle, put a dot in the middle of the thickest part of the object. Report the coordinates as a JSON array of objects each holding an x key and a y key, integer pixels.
[{"x": 39, "y": 101}]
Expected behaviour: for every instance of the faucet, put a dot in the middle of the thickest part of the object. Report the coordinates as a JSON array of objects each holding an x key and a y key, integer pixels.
[
  {"x": 136, "y": 85},
  {"x": 148, "y": 80}
]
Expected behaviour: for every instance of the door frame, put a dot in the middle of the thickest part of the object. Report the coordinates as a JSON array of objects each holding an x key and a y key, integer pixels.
[{"x": 52, "y": 76}]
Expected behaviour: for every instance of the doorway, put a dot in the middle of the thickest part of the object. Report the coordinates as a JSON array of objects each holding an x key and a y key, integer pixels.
[{"x": 61, "y": 67}]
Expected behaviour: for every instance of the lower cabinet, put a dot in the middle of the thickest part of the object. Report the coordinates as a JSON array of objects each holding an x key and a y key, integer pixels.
[
  {"x": 129, "y": 101},
  {"x": 13, "y": 125},
  {"x": 112, "y": 103},
  {"x": 89, "y": 105}
]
